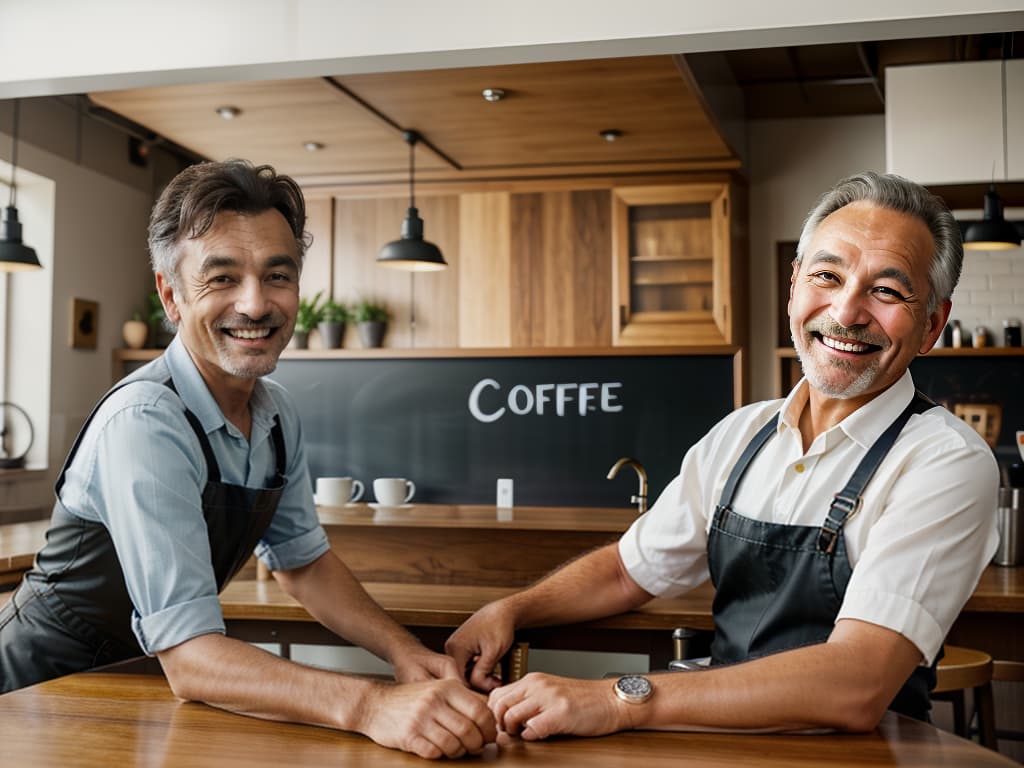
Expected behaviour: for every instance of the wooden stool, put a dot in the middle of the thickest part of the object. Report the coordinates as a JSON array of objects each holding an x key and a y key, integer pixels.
[
  {"x": 960, "y": 669},
  {"x": 1008, "y": 672}
]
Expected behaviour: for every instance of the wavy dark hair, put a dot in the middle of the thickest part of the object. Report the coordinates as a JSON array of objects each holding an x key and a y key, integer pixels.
[{"x": 189, "y": 204}]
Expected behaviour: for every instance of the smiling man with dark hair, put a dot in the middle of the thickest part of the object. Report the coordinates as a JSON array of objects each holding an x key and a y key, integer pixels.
[{"x": 190, "y": 463}]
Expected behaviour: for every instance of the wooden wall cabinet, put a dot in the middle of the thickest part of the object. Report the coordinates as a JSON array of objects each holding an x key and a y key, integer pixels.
[{"x": 675, "y": 254}]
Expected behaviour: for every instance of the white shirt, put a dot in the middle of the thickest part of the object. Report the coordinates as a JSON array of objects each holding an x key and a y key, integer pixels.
[{"x": 918, "y": 544}]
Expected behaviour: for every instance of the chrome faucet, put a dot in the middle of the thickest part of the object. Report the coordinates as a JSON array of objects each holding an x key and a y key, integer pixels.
[{"x": 640, "y": 499}]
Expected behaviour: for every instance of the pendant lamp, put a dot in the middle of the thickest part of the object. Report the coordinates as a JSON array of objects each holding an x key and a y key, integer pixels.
[
  {"x": 993, "y": 232},
  {"x": 412, "y": 252},
  {"x": 15, "y": 256}
]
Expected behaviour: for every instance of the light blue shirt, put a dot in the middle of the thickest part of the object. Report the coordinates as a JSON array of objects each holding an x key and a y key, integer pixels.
[{"x": 140, "y": 472}]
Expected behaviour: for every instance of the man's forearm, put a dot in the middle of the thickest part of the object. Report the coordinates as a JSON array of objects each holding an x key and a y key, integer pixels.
[
  {"x": 591, "y": 587},
  {"x": 241, "y": 678},
  {"x": 333, "y": 596}
]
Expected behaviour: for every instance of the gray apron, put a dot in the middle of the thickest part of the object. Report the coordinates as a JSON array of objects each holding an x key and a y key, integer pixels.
[
  {"x": 72, "y": 611},
  {"x": 779, "y": 587}
]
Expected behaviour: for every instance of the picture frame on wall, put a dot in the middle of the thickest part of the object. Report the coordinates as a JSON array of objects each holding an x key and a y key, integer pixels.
[{"x": 85, "y": 317}]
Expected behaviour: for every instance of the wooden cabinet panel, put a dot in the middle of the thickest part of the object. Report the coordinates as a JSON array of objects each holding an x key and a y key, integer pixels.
[
  {"x": 560, "y": 283},
  {"x": 484, "y": 318},
  {"x": 317, "y": 266},
  {"x": 361, "y": 228}
]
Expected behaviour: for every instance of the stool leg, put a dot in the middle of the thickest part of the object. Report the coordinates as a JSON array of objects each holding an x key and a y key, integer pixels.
[
  {"x": 986, "y": 715},
  {"x": 959, "y": 714}
]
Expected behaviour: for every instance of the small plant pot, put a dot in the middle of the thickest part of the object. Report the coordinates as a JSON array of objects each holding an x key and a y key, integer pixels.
[
  {"x": 331, "y": 334},
  {"x": 134, "y": 333},
  {"x": 371, "y": 333},
  {"x": 300, "y": 340}
]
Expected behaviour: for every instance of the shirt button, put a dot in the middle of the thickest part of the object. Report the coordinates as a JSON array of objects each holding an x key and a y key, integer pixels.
[{"x": 799, "y": 467}]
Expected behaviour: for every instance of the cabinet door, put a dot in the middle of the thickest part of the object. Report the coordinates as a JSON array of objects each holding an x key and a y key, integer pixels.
[{"x": 672, "y": 265}]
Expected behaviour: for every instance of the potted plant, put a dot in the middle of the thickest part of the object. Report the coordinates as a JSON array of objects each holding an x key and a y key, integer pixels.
[
  {"x": 161, "y": 330},
  {"x": 135, "y": 331},
  {"x": 332, "y": 323},
  {"x": 306, "y": 319},
  {"x": 372, "y": 319}
]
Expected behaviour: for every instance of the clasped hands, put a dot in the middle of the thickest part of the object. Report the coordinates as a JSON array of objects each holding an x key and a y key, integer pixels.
[{"x": 435, "y": 714}]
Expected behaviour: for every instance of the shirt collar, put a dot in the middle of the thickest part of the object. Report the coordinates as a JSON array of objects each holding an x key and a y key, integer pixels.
[
  {"x": 196, "y": 395},
  {"x": 867, "y": 423}
]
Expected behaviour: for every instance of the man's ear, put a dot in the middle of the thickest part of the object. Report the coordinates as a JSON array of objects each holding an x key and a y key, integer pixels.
[
  {"x": 166, "y": 292},
  {"x": 792, "y": 283},
  {"x": 936, "y": 324}
]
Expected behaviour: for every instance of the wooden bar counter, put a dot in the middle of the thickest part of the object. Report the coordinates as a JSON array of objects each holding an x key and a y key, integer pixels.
[
  {"x": 96, "y": 720},
  {"x": 466, "y": 544}
]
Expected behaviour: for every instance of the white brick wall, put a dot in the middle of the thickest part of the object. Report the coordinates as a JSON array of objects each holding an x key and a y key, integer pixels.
[{"x": 991, "y": 287}]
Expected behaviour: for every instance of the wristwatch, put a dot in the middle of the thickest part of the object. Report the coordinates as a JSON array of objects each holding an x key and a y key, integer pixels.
[{"x": 634, "y": 689}]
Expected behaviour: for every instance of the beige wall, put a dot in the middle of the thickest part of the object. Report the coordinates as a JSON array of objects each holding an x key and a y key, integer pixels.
[
  {"x": 792, "y": 162},
  {"x": 95, "y": 250}
]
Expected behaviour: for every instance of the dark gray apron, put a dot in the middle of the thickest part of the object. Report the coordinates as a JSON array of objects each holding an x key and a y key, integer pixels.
[
  {"x": 72, "y": 611},
  {"x": 779, "y": 587}
]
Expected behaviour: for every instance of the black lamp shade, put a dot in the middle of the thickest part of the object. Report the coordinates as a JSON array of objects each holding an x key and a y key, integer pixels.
[
  {"x": 993, "y": 232},
  {"x": 412, "y": 252},
  {"x": 15, "y": 256}
]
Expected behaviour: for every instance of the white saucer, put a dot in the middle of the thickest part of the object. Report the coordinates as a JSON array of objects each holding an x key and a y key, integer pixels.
[{"x": 378, "y": 505}]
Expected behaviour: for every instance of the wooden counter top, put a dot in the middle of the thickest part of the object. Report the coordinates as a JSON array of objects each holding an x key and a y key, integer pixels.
[
  {"x": 19, "y": 543},
  {"x": 448, "y": 605},
  {"x": 103, "y": 719},
  {"x": 612, "y": 520}
]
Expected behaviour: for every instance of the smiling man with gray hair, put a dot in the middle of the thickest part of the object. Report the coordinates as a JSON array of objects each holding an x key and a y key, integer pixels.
[{"x": 843, "y": 527}]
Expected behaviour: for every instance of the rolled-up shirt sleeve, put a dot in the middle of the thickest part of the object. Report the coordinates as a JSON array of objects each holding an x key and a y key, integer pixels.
[{"x": 927, "y": 550}]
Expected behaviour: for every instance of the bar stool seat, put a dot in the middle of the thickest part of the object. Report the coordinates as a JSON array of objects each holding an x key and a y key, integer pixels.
[{"x": 960, "y": 669}]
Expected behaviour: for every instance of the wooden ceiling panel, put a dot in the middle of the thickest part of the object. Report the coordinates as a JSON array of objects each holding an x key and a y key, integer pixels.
[
  {"x": 552, "y": 116},
  {"x": 553, "y": 113},
  {"x": 277, "y": 118}
]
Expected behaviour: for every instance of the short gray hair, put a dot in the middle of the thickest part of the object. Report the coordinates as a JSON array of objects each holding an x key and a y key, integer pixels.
[
  {"x": 191, "y": 201},
  {"x": 904, "y": 196}
]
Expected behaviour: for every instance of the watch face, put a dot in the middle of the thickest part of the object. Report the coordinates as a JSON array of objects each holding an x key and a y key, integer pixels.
[{"x": 633, "y": 688}]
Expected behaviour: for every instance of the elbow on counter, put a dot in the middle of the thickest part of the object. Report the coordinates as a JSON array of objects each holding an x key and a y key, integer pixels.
[{"x": 861, "y": 709}]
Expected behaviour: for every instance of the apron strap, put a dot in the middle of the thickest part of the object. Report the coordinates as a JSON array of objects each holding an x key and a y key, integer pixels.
[
  {"x": 846, "y": 503},
  {"x": 752, "y": 449},
  {"x": 212, "y": 467}
]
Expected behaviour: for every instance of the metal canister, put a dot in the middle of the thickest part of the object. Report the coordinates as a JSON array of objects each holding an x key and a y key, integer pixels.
[
  {"x": 1009, "y": 523},
  {"x": 1011, "y": 332}
]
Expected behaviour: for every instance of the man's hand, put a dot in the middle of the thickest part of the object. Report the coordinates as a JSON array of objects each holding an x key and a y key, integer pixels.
[
  {"x": 481, "y": 642},
  {"x": 442, "y": 718},
  {"x": 419, "y": 664},
  {"x": 542, "y": 705}
]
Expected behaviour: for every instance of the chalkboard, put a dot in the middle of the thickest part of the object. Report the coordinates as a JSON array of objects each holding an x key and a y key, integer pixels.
[{"x": 414, "y": 418}]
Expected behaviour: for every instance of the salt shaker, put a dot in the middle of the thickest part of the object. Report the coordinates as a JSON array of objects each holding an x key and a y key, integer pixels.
[
  {"x": 958, "y": 335},
  {"x": 981, "y": 336}
]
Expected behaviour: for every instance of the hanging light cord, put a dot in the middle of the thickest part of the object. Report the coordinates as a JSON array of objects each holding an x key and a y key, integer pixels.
[
  {"x": 13, "y": 198},
  {"x": 411, "y": 138}
]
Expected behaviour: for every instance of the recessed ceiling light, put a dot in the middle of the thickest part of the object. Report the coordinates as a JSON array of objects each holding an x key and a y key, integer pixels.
[
  {"x": 611, "y": 134},
  {"x": 312, "y": 146},
  {"x": 228, "y": 112},
  {"x": 493, "y": 94}
]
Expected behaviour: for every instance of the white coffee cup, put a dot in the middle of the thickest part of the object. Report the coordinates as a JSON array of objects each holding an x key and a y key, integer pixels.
[
  {"x": 393, "y": 491},
  {"x": 337, "y": 491}
]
